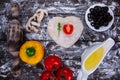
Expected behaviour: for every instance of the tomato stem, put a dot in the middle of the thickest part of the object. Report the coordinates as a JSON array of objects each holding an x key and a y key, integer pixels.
[
  {"x": 63, "y": 76},
  {"x": 54, "y": 68}
]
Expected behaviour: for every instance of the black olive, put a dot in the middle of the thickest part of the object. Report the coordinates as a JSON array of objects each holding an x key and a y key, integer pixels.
[
  {"x": 91, "y": 10},
  {"x": 105, "y": 24},
  {"x": 89, "y": 19},
  {"x": 97, "y": 8},
  {"x": 89, "y": 15},
  {"x": 105, "y": 9},
  {"x": 97, "y": 26},
  {"x": 92, "y": 24},
  {"x": 110, "y": 18}
]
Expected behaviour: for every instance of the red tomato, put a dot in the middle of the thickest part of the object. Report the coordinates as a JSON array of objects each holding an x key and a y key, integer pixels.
[
  {"x": 52, "y": 63},
  {"x": 47, "y": 76},
  {"x": 68, "y": 28},
  {"x": 64, "y": 74}
]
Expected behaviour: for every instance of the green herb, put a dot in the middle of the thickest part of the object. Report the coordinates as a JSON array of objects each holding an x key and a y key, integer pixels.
[{"x": 59, "y": 29}]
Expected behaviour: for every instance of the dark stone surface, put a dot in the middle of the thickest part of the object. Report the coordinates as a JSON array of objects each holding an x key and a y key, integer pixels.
[{"x": 109, "y": 68}]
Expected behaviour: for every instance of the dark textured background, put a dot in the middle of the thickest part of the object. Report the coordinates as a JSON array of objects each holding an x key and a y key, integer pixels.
[{"x": 109, "y": 68}]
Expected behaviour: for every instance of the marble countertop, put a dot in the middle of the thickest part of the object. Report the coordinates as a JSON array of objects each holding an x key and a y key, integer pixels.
[{"x": 109, "y": 69}]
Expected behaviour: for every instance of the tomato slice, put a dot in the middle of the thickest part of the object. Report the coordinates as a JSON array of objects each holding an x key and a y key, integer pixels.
[{"x": 68, "y": 29}]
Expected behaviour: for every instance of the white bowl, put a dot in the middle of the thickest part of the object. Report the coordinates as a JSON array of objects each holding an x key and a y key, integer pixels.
[
  {"x": 102, "y": 28},
  {"x": 83, "y": 73}
]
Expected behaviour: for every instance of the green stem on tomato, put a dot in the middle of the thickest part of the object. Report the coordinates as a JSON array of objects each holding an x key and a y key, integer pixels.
[
  {"x": 59, "y": 29},
  {"x": 63, "y": 76},
  {"x": 54, "y": 69}
]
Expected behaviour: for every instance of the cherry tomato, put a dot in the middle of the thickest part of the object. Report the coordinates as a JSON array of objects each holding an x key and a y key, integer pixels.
[
  {"x": 47, "y": 75},
  {"x": 64, "y": 74},
  {"x": 68, "y": 29},
  {"x": 52, "y": 63}
]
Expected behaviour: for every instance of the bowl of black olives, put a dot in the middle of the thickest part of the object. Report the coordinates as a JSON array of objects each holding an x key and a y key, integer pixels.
[{"x": 99, "y": 17}]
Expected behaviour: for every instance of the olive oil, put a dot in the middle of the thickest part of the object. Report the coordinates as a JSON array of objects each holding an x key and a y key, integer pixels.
[{"x": 94, "y": 59}]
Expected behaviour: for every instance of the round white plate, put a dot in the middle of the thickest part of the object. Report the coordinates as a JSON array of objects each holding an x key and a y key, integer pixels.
[{"x": 102, "y": 28}]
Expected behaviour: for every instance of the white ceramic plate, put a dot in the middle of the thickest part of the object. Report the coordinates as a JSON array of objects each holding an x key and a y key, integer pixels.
[{"x": 102, "y": 28}]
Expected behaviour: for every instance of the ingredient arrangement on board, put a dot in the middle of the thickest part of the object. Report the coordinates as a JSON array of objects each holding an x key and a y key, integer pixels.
[{"x": 64, "y": 31}]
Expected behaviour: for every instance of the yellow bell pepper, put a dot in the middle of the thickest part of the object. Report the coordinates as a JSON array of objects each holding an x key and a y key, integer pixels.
[{"x": 31, "y": 52}]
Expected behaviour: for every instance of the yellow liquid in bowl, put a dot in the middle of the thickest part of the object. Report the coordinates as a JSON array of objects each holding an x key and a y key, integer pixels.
[{"x": 93, "y": 60}]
